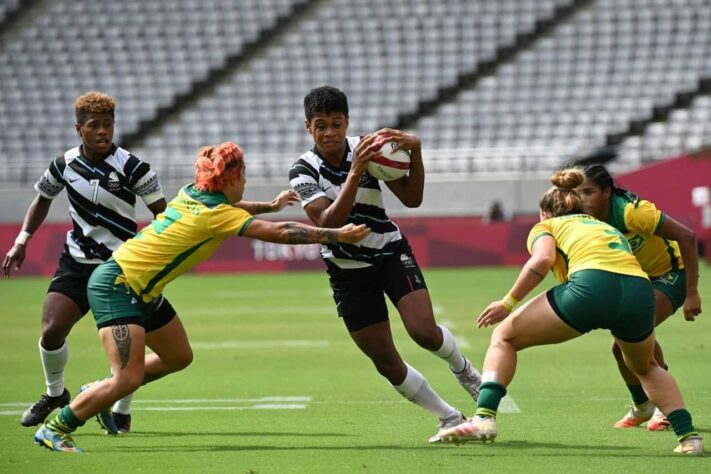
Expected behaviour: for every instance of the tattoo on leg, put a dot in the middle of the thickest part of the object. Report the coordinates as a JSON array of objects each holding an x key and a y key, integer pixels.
[{"x": 122, "y": 338}]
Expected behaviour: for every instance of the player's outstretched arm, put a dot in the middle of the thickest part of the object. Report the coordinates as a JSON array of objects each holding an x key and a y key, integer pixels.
[
  {"x": 297, "y": 233},
  {"x": 533, "y": 272},
  {"x": 36, "y": 214},
  {"x": 283, "y": 199}
]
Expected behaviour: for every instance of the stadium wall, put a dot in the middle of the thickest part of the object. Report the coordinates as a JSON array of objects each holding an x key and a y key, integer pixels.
[
  {"x": 437, "y": 242},
  {"x": 669, "y": 184}
]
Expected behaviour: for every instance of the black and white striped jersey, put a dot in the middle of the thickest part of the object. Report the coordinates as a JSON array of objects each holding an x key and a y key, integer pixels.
[
  {"x": 313, "y": 177},
  {"x": 102, "y": 199}
]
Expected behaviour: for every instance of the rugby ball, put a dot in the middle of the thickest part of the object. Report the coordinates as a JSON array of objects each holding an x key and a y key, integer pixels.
[{"x": 390, "y": 164}]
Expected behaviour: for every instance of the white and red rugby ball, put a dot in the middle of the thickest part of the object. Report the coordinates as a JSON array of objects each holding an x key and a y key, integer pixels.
[{"x": 390, "y": 164}]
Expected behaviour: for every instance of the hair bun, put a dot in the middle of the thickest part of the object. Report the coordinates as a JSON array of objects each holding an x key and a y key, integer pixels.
[{"x": 569, "y": 178}]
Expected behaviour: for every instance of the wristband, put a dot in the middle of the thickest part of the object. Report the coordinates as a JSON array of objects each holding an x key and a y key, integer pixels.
[
  {"x": 22, "y": 238},
  {"x": 509, "y": 302}
]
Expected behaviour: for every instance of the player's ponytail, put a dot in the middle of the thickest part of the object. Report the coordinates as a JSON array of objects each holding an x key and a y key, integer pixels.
[
  {"x": 215, "y": 164},
  {"x": 562, "y": 199}
]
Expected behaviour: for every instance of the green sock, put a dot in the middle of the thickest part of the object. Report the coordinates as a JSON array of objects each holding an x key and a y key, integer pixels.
[
  {"x": 490, "y": 395},
  {"x": 638, "y": 395},
  {"x": 681, "y": 422},
  {"x": 65, "y": 421}
]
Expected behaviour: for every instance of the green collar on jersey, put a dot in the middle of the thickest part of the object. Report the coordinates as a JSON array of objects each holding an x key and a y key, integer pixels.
[{"x": 207, "y": 198}]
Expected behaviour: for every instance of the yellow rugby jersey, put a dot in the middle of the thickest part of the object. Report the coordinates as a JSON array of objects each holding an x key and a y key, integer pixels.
[
  {"x": 191, "y": 228},
  {"x": 585, "y": 243},
  {"x": 639, "y": 221}
]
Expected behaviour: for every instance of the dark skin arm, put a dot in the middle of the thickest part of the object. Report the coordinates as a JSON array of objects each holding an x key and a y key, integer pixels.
[
  {"x": 686, "y": 238},
  {"x": 326, "y": 213},
  {"x": 157, "y": 207},
  {"x": 36, "y": 214},
  {"x": 408, "y": 189}
]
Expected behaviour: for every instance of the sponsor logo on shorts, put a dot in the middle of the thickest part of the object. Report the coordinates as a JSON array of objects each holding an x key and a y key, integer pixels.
[
  {"x": 407, "y": 261},
  {"x": 668, "y": 279}
]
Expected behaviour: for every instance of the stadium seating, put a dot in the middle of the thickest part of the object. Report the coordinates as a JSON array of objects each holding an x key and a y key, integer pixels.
[
  {"x": 6, "y": 7},
  {"x": 610, "y": 64},
  {"x": 387, "y": 56},
  {"x": 143, "y": 53},
  {"x": 685, "y": 130}
]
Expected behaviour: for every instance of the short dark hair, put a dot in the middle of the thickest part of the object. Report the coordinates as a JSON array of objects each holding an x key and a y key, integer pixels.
[{"x": 325, "y": 99}]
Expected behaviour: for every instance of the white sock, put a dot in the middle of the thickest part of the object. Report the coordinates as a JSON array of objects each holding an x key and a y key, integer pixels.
[
  {"x": 416, "y": 389},
  {"x": 53, "y": 363},
  {"x": 449, "y": 351},
  {"x": 123, "y": 406}
]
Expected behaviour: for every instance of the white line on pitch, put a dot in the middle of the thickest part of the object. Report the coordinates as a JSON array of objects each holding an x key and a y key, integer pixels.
[
  {"x": 265, "y": 294},
  {"x": 264, "y": 406},
  {"x": 462, "y": 342},
  {"x": 229, "y": 400},
  {"x": 241, "y": 310},
  {"x": 448, "y": 323},
  {"x": 298, "y": 343}
]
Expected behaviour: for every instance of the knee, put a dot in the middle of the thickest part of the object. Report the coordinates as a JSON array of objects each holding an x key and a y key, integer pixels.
[
  {"x": 429, "y": 338},
  {"x": 643, "y": 368},
  {"x": 178, "y": 360},
  {"x": 184, "y": 359},
  {"x": 389, "y": 366},
  {"x": 54, "y": 333},
  {"x": 126, "y": 383},
  {"x": 501, "y": 339}
]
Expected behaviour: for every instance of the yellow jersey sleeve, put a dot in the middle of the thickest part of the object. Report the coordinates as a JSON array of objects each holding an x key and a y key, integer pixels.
[
  {"x": 643, "y": 218},
  {"x": 538, "y": 230},
  {"x": 226, "y": 220}
]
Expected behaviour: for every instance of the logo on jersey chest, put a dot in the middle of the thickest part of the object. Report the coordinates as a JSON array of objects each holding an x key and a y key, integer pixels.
[
  {"x": 636, "y": 242},
  {"x": 114, "y": 183}
]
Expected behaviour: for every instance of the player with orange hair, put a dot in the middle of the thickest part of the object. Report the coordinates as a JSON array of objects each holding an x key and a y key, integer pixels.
[
  {"x": 125, "y": 293},
  {"x": 590, "y": 258}
]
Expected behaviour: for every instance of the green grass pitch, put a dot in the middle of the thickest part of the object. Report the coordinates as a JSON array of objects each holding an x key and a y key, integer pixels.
[{"x": 277, "y": 386}]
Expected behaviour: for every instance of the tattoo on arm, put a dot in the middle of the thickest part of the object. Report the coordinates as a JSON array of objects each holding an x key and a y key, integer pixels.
[
  {"x": 255, "y": 208},
  {"x": 122, "y": 338},
  {"x": 299, "y": 234},
  {"x": 542, "y": 277}
]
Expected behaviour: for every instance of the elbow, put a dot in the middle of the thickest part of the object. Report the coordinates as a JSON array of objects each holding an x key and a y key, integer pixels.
[
  {"x": 412, "y": 202},
  {"x": 542, "y": 263},
  {"x": 689, "y": 236}
]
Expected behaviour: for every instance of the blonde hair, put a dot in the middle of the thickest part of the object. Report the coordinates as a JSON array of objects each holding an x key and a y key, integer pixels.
[
  {"x": 562, "y": 199},
  {"x": 93, "y": 103},
  {"x": 215, "y": 164}
]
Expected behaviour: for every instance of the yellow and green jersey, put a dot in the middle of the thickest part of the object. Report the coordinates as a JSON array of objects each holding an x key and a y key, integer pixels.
[
  {"x": 585, "y": 243},
  {"x": 192, "y": 227},
  {"x": 639, "y": 221}
]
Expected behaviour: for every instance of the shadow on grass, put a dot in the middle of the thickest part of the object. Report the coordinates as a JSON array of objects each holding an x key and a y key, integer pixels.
[{"x": 474, "y": 450}]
